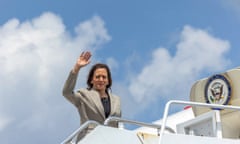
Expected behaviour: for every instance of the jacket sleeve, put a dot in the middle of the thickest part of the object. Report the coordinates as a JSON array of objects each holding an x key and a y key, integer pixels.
[{"x": 68, "y": 89}]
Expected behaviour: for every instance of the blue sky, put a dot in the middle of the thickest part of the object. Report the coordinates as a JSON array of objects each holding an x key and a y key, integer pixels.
[{"x": 156, "y": 51}]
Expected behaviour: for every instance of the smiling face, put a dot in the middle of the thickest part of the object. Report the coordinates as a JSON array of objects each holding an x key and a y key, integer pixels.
[{"x": 100, "y": 79}]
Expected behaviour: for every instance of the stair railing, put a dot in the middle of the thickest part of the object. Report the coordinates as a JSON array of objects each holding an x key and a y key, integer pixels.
[
  {"x": 197, "y": 104},
  {"x": 156, "y": 126},
  {"x": 72, "y": 138}
]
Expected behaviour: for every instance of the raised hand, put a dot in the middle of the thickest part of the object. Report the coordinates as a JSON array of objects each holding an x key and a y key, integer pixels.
[{"x": 83, "y": 60}]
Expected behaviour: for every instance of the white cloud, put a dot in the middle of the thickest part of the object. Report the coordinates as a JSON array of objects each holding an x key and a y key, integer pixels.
[
  {"x": 167, "y": 75},
  {"x": 35, "y": 57},
  {"x": 4, "y": 122},
  {"x": 113, "y": 64}
]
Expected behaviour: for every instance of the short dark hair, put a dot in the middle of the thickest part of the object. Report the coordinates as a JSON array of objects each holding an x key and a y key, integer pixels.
[{"x": 91, "y": 73}]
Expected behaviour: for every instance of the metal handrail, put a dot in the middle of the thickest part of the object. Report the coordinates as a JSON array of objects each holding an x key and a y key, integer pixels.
[
  {"x": 167, "y": 106},
  {"x": 81, "y": 128},
  {"x": 117, "y": 119}
]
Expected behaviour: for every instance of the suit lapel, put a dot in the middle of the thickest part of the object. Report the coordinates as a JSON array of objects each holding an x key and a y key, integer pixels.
[
  {"x": 98, "y": 103},
  {"x": 112, "y": 103}
]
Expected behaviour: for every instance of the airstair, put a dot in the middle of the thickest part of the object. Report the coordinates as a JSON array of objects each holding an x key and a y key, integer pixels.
[{"x": 203, "y": 129}]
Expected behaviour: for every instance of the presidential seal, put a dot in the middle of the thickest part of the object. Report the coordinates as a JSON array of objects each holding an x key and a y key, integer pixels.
[{"x": 218, "y": 90}]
